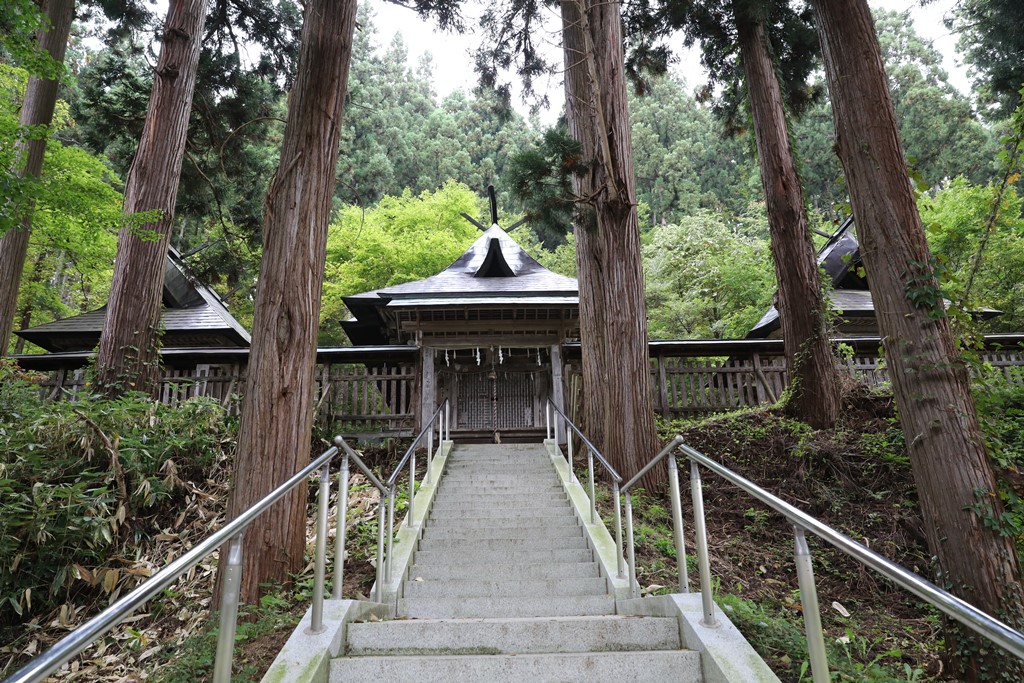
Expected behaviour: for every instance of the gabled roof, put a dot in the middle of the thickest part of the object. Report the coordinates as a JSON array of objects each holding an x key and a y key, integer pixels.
[
  {"x": 494, "y": 271},
  {"x": 192, "y": 315},
  {"x": 840, "y": 258}
]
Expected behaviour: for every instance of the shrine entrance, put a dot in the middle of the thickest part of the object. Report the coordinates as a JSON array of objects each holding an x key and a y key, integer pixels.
[{"x": 496, "y": 393}]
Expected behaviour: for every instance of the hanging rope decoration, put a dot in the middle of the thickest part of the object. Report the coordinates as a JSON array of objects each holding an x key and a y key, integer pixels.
[
  {"x": 501, "y": 356},
  {"x": 446, "y": 361},
  {"x": 538, "y": 358},
  {"x": 478, "y": 355}
]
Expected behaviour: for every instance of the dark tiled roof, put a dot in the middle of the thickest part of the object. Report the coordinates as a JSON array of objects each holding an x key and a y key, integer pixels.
[
  {"x": 494, "y": 271},
  {"x": 192, "y": 315},
  {"x": 472, "y": 274}
]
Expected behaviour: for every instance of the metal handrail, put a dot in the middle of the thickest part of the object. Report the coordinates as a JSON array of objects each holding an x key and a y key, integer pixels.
[
  {"x": 64, "y": 650},
  {"x": 956, "y": 608},
  {"x": 551, "y": 430},
  {"x": 677, "y": 517},
  {"x": 440, "y": 420}
]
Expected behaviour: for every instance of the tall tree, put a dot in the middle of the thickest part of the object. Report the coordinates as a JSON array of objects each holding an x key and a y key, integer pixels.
[
  {"x": 814, "y": 392},
  {"x": 128, "y": 357},
  {"x": 748, "y": 45},
  {"x": 274, "y": 435},
  {"x": 36, "y": 115},
  {"x": 977, "y": 559},
  {"x": 619, "y": 415}
]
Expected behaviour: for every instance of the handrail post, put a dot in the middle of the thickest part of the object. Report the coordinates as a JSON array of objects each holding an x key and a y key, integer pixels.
[
  {"x": 630, "y": 548},
  {"x": 448, "y": 419},
  {"x": 568, "y": 438},
  {"x": 381, "y": 558},
  {"x": 412, "y": 480},
  {"x": 618, "y": 531},
  {"x": 316, "y": 622},
  {"x": 228, "y": 611},
  {"x": 547, "y": 420},
  {"x": 677, "y": 523},
  {"x": 703, "y": 563},
  {"x": 342, "y": 529},
  {"x": 593, "y": 499},
  {"x": 391, "y": 531},
  {"x": 812, "y": 614},
  {"x": 430, "y": 446},
  {"x": 430, "y": 455}
]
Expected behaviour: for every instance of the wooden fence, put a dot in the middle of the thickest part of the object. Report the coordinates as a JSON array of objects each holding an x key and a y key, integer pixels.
[
  {"x": 349, "y": 398},
  {"x": 377, "y": 392}
]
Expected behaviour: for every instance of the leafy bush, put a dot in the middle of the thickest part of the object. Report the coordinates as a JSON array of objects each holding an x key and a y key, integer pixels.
[{"x": 81, "y": 482}]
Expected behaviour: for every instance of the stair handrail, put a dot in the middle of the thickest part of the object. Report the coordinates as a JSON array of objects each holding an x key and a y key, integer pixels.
[
  {"x": 970, "y": 616},
  {"x": 441, "y": 421},
  {"x": 553, "y": 413},
  {"x": 230, "y": 536}
]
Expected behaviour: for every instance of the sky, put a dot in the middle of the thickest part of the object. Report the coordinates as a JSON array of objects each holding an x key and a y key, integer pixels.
[{"x": 453, "y": 63}]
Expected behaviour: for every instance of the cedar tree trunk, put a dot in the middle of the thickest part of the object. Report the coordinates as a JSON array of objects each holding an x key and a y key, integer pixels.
[
  {"x": 619, "y": 415},
  {"x": 956, "y": 486},
  {"x": 814, "y": 383},
  {"x": 128, "y": 356},
  {"x": 36, "y": 110},
  {"x": 277, "y": 414}
]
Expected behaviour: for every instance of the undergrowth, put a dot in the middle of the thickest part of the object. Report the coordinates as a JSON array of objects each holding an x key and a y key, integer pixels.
[{"x": 96, "y": 495}]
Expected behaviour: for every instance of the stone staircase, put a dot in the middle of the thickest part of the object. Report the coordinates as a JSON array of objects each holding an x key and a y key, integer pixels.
[{"x": 504, "y": 587}]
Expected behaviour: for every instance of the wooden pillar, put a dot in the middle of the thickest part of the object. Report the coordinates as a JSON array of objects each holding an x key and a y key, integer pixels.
[
  {"x": 663, "y": 388},
  {"x": 557, "y": 388},
  {"x": 428, "y": 387}
]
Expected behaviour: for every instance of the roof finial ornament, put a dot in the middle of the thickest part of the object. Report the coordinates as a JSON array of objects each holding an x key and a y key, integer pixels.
[{"x": 494, "y": 204}]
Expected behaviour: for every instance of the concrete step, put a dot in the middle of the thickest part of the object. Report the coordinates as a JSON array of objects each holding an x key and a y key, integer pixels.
[
  {"x": 493, "y": 499},
  {"x": 483, "y": 533},
  {"x": 468, "y": 485},
  {"x": 449, "y": 558},
  {"x": 520, "y": 571},
  {"x": 451, "y": 489},
  {"x": 453, "y": 588},
  {"x": 468, "y": 521},
  {"x": 499, "y": 606},
  {"x": 477, "y": 509},
  {"x": 502, "y": 545},
  {"x": 505, "y": 513},
  {"x": 680, "y": 666},
  {"x": 511, "y": 636}
]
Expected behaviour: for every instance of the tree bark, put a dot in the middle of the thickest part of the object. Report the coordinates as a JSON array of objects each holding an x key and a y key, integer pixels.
[
  {"x": 276, "y": 423},
  {"x": 814, "y": 383},
  {"x": 956, "y": 486},
  {"x": 36, "y": 110},
  {"x": 128, "y": 357},
  {"x": 618, "y": 411}
]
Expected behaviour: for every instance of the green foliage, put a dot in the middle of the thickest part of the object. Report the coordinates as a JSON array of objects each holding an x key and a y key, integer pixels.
[
  {"x": 683, "y": 159},
  {"x": 20, "y": 20},
  {"x": 397, "y": 136},
  {"x": 541, "y": 178},
  {"x": 991, "y": 40},
  {"x": 193, "y": 659},
  {"x": 76, "y": 211},
  {"x": 707, "y": 278},
  {"x": 400, "y": 239},
  {"x": 955, "y": 220},
  {"x": 82, "y": 481}
]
